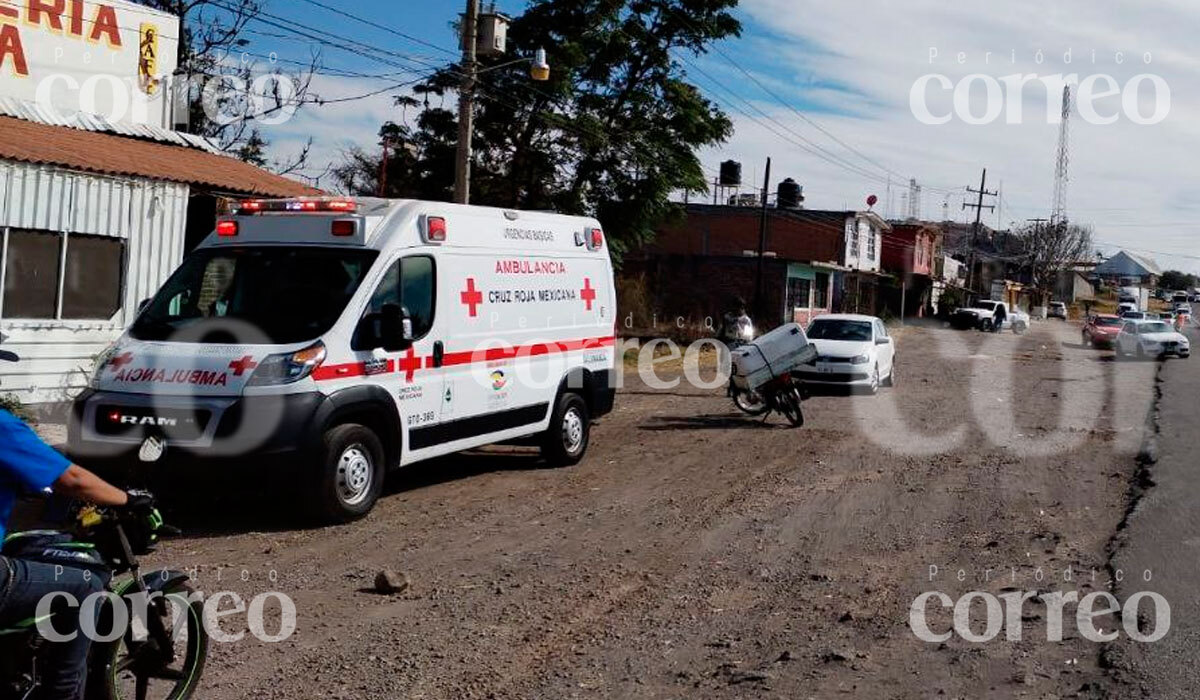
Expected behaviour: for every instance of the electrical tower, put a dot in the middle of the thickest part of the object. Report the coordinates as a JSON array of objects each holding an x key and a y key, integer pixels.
[
  {"x": 914, "y": 200},
  {"x": 1058, "y": 213}
]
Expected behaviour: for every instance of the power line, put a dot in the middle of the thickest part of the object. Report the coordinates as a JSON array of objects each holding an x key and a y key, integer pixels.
[
  {"x": 804, "y": 117},
  {"x": 801, "y": 144},
  {"x": 377, "y": 25}
]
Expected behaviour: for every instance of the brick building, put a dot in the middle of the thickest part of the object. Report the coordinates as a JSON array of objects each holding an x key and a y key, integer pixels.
[
  {"x": 815, "y": 262},
  {"x": 909, "y": 253}
]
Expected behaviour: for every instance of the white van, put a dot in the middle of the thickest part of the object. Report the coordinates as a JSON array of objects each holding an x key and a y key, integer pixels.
[{"x": 338, "y": 339}]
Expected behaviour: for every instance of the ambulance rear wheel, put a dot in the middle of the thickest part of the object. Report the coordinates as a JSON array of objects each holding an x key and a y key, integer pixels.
[
  {"x": 566, "y": 440},
  {"x": 351, "y": 474}
]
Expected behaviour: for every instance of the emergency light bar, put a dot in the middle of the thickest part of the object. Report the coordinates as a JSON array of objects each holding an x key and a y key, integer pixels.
[
  {"x": 434, "y": 230},
  {"x": 304, "y": 206}
]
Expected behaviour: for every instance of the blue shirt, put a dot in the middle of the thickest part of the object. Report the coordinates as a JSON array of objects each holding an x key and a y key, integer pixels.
[{"x": 27, "y": 464}]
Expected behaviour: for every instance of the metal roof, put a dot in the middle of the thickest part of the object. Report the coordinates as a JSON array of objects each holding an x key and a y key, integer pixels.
[
  {"x": 33, "y": 112},
  {"x": 79, "y": 149},
  {"x": 1126, "y": 264}
]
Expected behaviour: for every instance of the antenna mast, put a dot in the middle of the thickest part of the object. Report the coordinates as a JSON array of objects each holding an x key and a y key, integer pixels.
[{"x": 1058, "y": 214}]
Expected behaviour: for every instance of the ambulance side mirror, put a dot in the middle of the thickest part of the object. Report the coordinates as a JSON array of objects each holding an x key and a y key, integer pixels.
[{"x": 395, "y": 328}]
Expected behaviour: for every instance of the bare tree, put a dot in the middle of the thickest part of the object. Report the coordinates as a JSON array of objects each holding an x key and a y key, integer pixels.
[
  {"x": 1052, "y": 248},
  {"x": 212, "y": 47}
]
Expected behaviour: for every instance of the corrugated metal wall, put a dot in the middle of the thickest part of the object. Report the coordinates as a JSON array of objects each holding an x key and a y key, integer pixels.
[{"x": 150, "y": 215}]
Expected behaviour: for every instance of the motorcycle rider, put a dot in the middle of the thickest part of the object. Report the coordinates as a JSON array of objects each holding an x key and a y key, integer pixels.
[
  {"x": 29, "y": 465},
  {"x": 736, "y": 327}
]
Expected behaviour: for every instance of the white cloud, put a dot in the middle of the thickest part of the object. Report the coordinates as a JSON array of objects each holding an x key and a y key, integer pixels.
[
  {"x": 1126, "y": 179},
  {"x": 337, "y": 126}
]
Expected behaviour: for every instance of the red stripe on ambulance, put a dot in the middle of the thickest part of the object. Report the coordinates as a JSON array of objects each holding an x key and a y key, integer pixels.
[{"x": 411, "y": 363}]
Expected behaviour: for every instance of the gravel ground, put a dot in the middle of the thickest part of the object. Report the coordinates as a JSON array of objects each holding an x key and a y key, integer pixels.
[{"x": 696, "y": 553}]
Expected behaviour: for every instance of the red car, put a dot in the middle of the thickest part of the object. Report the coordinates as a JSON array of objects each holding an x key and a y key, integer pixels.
[{"x": 1101, "y": 330}]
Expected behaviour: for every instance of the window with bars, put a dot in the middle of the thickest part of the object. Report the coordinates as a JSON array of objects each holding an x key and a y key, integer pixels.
[
  {"x": 799, "y": 293},
  {"x": 50, "y": 276},
  {"x": 821, "y": 291}
]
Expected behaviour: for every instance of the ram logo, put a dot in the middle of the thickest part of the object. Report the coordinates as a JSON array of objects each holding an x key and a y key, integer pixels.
[{"x": 152, "y": 421}]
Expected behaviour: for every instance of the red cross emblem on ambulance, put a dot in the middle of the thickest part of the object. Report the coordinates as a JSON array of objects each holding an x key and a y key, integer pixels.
[
  {"x": 409, "y": 364},
  {"x": 120, "y": 361},
  {"x": 472, "y": 298},
  {"x": 587, "y": 293},
  {"x": 240, "y": 367}
]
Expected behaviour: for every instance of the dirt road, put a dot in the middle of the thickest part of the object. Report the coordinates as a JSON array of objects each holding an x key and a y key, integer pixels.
[{"x": 696, "y": 553}]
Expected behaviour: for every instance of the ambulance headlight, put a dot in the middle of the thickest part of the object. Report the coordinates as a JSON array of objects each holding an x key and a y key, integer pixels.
[{"x": 288, "y": 367}]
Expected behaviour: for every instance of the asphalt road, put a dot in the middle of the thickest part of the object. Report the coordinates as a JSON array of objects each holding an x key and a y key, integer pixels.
[{"x": 1162, "y": 537}]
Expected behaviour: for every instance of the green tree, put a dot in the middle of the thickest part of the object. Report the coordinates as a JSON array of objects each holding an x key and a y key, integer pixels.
[
  {"x": 612, "y": 134},
  {"x": 1175, "y": 280}
]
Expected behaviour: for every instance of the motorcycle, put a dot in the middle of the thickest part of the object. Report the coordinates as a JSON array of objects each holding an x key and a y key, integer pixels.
[
  {"x": 167, "y": 648},
  {"x": 783, "y": 394},
  {"x": 749, "y": 402}
]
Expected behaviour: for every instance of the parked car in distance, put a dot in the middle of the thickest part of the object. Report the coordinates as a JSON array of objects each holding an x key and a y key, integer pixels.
[
  {"x": 1182, "y": 307},
  {"x": 1138, "y": 316},
  {"x": 1057, "y": 310},
  {"x": 1126, "y": 307},
  {"x": 1144, "y": 339},
  {"x": 852, "y": 351},
  {"x": 1101, "y": 330}
]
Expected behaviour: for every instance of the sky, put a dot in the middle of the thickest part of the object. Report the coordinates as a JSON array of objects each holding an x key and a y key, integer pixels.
[{"x": 824, "y": 89}]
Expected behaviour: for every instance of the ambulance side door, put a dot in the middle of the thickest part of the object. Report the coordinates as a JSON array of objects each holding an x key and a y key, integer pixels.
[{"x": 409, "y": 374}]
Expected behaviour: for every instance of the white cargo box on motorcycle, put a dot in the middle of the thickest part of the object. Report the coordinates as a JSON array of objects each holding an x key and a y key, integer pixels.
[{"x": 771, "y": 356}]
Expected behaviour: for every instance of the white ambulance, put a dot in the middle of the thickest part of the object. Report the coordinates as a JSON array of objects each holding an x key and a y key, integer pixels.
[{"x": 338, "y": 339}]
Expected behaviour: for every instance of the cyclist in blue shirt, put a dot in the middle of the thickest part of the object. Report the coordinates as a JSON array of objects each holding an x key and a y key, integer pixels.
[{"x": 29, "y": 465}]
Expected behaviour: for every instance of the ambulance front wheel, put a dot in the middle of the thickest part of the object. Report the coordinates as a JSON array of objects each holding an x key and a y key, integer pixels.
[
  {"x": 566, "y": 439},
  {"x": 351, "y": 474}
]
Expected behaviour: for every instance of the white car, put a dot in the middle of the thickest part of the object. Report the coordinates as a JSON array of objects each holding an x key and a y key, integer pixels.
[
  {"x": 1144, "y": 339},
  {"x": 852, "y": 350},
  {"x": 983, "y": 317}
]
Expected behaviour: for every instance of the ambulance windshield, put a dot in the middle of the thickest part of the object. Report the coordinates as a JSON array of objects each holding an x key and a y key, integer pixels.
[{"x": 240, "y": 295}]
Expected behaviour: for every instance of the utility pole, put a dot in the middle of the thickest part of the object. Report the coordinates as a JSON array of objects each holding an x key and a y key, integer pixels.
[
  {"x": 466, "y": 105},
  {"x": 979, "y": 206},
  {"x": 762, "y": 243}
]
